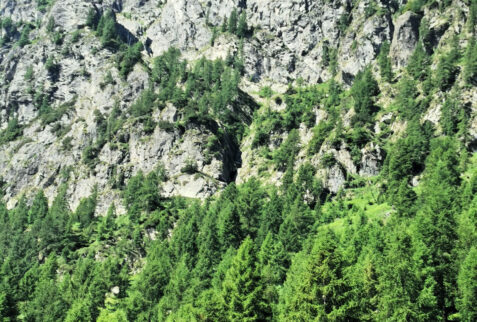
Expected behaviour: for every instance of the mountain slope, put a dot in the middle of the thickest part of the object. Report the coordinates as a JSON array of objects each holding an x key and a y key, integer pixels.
[{"x": 238, "y": 160}]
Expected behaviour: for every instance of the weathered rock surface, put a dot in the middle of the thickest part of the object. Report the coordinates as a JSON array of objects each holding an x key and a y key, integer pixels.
[
  {"x": 406, "y": 35},
  {"x": 288, "y": 40}
]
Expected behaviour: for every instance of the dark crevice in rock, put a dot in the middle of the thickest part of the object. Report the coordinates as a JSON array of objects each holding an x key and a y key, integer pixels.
[{"x": 242, "y": 4}]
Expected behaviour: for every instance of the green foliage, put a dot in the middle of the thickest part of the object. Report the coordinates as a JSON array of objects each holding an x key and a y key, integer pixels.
[
  {"x": 316, "y": 289},
  {"x": 9, "y": 30},
  {"x": 144, "y": 104},
  {"x": 472, "y": 18},
  {"x": 106, "y": 29},
  {"x": 207, "y": 93},
  {"x": 425, "y": 35},
  {"x": 405, "y": 160},
  {"x": 190, "y": 167},
  {"x": 300, "y": 106},
  {"x": 129, "y": 58},
  {"x": 328, "y": 160},
  {"x": 13, "y": 131},
  {"x": 285, "y": 154},
  {"x": 242, "y": 27},
  {"x": 470, "y": 62},
  {"x": 270, "y": 121},
  {"x": 370, "y": 9},
  {"x": 418, "y": 63},
  {"x": 142, "y": 192},
  {"x": 395, "y": 247},
  {"x": 320, "y": 133},
  {"x": 435, "y": 223},
  {"x": 241, "y": 288},
  {"x": 223, "y": 27},
  {"x": 232, "y": 23},
  {"x": 52, "y": 67},
  {"x": 214, "y": 36},
  {"x": 406, "y": 99},
  {"x": 364, "y": 89},
  {"x": 42, "y": 5},
  {"x": 24, "y": 36},
  {"x": 90, "y": 153},
  {"x": 452, "y": 116},
  {"x": 384, "y": 62},
  {"x": 343, "y": 23},
  {"x": 75, "y": 36},
  {"x": 467, "y": 282},
  {"x": 265, "y": 92},
  {"x": 447, "y": 70},
  {"x": 415, "y": 6},
  {"x": 50, "y": 26},
  {"x": 48, "y": 114},
  {"x": 92, "y": 18},
  {"x": 57, "y": 38},
  {"x": 29, "y": 73}
]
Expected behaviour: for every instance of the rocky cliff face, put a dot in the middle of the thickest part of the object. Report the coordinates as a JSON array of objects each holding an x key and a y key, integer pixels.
[{"x": 63, "y": 60}]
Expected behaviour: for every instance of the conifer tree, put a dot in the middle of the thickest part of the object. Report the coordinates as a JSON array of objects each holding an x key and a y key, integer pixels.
[
  {"x": 242, "y": 27},
  {"x": 397, "y": 283},
  {"x": 446, "y": 68},
  {"x": 470, "y": 61},
  {"x": 316, "y": 289},
  {"x": 363, "y": 90},
  {"x": 472, "y": 19},
  {"x": 39, "y": 207},
  {"x": 149, "y": 287},
  {"x": 107, "y": 29},
  {"x": 106, "y": 225},
  {"x": 92, "y": 19},
  {"x": 418, "y": 62},
  {"x": 20, "y": 215},
  {"x": 249, "y": 205},
  {"x": 385, "y": 63},
  {"x": 177, "y": 291},
  {"x": 111, "y": 312},
  {"x": 223, "y": 27},
  {"x": 296, "y": 225},
  {"x": 273, "y": 262},
  {"x": 406, "y": 98},
  {"x": 209, "y": 249},
  {"x": 241, "y": 288},
  {"x": 436, "y": 225},
  {"x": 229, "y": 225},
  {"x": 271, "y": 216},
  {"x": 232, "y": 24},
  {"x": 467, "y": 282}
]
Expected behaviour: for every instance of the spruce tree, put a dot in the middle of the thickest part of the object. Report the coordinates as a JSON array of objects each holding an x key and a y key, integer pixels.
[
  {"x": 316, "y": 289},
  {"x": 418, "y": 62},
  {"x": 241, "y": 288},
  {"x": 364, "y": 89},
  {"x": 446, "y": 71},
  {"x": 384, "y": 62},
  {"x": 177, "y": 291},
  {"x": 232, "y": 24},
  {"x": 397, "y": 283},
  {"x": 229, "y": 227},
  {"x": 436, "y": 225},
  {"x": 470, "y": 62},
  {"x": 271, "y": 216},
  {"x": 242, "y": 27},
  {"x": 467, "y": 291},
  {"x": 39, "y": 207}
]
